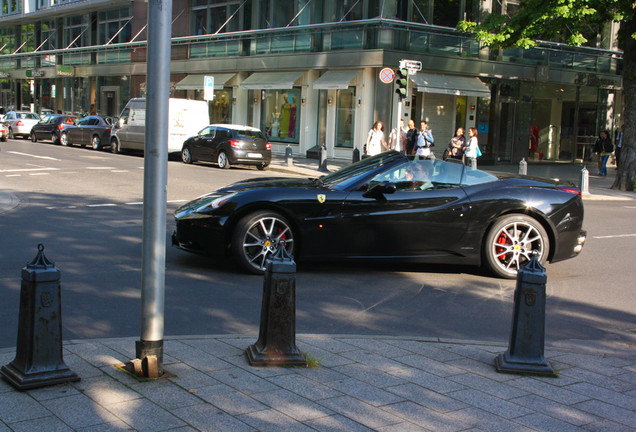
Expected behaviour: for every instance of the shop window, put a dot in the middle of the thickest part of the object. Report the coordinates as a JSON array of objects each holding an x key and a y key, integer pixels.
[
  {"x": 280, "y": 115},
  {"x": 221, "y": 106},
  {"x": 345, "y": 117}
]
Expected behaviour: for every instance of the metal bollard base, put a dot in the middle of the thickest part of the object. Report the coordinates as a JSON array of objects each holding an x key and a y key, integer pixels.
[
  {"x": 505, "y": 364},
  {"x": 29, "y": 380},
  {"x": 257, "y": 356}
]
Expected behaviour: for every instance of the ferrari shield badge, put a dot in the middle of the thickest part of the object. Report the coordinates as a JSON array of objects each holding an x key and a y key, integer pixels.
[{"x": 321, "y": 198}]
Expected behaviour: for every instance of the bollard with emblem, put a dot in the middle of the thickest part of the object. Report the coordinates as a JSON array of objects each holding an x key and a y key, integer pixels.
[
  {"x": 289, "y": 156},
  {"x": 525, "y": 350},
  {"x": 323, "y": 159},
  {"x": 355, "y": 155},
  {"x": 585, "y": 181},
  {"x": 523, "y": 167},
  {"x": 276, "y": 344},
  {"x": 38, "y": 361}
]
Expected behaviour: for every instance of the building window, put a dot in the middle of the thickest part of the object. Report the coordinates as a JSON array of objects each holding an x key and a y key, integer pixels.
[
  {"x": 345, "y": 117},
  {"x": 109, "y": 24},
  {"x": 280, "y": 115},
  {"x": 75, "y": 31},
  {"x": 210, "y": 16},
  {"x": 9, "y": 7}
]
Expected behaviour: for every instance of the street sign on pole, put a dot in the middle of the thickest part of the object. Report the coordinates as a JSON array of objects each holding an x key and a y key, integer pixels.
[
  {"x": 413, "y": 66},
  {"x": 208, "y": 88}
]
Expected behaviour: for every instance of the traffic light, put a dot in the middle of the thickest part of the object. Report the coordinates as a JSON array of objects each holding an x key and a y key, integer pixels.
[{"x": 402, "y": 82}]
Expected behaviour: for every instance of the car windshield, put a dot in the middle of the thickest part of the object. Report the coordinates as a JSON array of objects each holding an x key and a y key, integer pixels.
[{"x": 351, "y": 174}]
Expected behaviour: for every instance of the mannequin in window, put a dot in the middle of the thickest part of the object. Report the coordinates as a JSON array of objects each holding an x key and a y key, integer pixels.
[
  {"x": 275, "y": 124},
  {"x": 292, "y": 118},
  {"x": 285, "y": 116}
]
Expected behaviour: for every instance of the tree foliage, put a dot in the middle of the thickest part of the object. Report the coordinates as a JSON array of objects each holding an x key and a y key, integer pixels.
[{"x": 576, "y": 23}]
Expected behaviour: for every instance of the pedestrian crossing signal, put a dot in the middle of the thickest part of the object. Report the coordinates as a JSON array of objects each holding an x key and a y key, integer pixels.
[{"x": 402, "y": 82}]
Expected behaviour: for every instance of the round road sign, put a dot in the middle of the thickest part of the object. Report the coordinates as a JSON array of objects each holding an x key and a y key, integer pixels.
[{"x": 387, "y": 75}]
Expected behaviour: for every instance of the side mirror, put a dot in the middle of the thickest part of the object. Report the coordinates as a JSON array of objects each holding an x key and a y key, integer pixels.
[{"x": 379, "y": 190}]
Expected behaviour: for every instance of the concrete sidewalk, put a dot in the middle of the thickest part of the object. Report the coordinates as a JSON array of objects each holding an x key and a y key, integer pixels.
[{"x": 361, "y": 384}]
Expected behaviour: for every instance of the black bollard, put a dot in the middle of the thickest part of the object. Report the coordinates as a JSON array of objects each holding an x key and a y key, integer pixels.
[
  {"x": 355, "y": 156},
  {"x": 38, "y": 361},
  {"x": 276, "y": 344},
  {"x": 525, "y": 351},
  {"x": 289, "y": 156},
  {"x": 323, "y": 159}
]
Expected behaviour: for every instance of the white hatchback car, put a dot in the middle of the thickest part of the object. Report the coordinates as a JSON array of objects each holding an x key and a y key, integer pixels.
[{"x": 20, "y": 123}]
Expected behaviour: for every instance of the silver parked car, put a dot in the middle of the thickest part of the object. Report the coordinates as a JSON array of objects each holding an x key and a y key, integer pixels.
[{"x": 20, "y": 123}]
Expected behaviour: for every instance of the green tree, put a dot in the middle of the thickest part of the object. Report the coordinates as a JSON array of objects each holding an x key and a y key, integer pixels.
[{"x": 575, "y": 22}]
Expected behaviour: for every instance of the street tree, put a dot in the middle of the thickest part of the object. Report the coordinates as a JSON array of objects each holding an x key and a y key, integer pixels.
[{"x": 577, "y": 23}]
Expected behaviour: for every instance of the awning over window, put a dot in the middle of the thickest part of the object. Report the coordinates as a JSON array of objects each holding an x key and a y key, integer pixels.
[
  {"x": 271, "y": 80},
  {"x": 335, "y": 79},
  {"x": 450, "y": 84},
  {"x": 195, "y": 82}
]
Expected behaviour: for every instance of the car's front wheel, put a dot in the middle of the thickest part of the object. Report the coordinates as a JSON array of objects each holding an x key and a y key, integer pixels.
[
  {"x": 54, "y": 139},
  {"x": 186, "y": 155},
  {"x": 96, "y": 143},
  {"x": 511, "y": 242},
  {"x": 258, "y": 236},
  {"x": 222, "y": 160},
  {"x": 33, "y": 137},
  {"x": 63, "y": 139},
  {"x": 11, "y": 134}
]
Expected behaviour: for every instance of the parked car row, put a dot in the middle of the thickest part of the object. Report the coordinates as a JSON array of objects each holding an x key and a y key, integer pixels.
[{"x": 223, "y": 144}]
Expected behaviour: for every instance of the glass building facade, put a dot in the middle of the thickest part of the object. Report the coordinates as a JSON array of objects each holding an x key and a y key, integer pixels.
[{"x": 308, "y": 73}]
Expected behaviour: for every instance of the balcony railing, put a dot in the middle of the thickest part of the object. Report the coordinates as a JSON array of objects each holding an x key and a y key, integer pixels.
[{"x": 386, "y": 34}]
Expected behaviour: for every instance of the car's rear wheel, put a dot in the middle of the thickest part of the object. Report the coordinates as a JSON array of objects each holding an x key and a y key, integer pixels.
[
  {"x": 96, "y": 143},
  {"x": 55, "y": 139},
  {"x": 33, "y": 137},
  {"x": 262, "y": 167},
  {"x": 511, "y": 242},
  {"x": 258, "y": 236},
  {"x": 222, "y": 160},
  {"x": 11, "y": 134},
  {"x": 63, "y": 139},
  {"x": 186, "y": 156},
  {"x": 114, "y": 146}
]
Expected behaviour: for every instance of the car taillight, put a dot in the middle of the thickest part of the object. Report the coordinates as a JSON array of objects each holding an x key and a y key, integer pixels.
[
  {"x": 234, "y": 143},
  {"x": 108, "y": 130},
  {"x": 268, "y": 146},
  {"x": 60, "y": 126},
  {"x": 19, "y": 123},
  {"x": 570, "y": 189}
]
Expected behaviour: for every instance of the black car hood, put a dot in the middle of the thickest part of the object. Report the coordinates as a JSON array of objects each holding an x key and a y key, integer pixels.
[{"x": 271, "y": 182}]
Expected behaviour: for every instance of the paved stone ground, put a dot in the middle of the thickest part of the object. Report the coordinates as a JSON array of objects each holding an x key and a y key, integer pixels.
[{"x": 360, "y": 384}]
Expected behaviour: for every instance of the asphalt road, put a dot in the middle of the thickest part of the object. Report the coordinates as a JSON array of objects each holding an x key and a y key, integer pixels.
[{"x": 85, "y": 207}]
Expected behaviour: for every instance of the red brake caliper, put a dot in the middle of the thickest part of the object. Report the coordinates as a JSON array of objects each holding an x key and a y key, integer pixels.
[{"x": 502, "y": 240}]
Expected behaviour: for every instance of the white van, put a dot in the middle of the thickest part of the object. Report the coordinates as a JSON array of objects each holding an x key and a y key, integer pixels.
[{"x": 185, "y": 118}]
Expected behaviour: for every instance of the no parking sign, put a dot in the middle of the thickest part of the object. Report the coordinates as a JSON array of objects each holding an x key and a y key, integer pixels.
[{"x": 387, "y": 75}]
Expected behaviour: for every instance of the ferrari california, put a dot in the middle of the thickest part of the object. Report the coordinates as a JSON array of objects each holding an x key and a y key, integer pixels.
[{"x": 389, "y": 207}]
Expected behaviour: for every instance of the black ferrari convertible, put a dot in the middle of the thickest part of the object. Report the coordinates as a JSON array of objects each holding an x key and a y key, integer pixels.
[{"x": 389, "y": 207}]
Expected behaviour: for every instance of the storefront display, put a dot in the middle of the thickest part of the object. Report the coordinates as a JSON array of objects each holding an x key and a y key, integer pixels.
[{"x": 280, "y": 114}]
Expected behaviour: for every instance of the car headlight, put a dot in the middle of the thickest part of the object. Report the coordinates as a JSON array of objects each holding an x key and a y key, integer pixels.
[{"x": 208, "y": 206}]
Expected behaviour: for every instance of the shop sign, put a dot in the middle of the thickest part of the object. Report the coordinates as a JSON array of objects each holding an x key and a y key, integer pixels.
[
  {"x": 65, "y": 71},
  {"x": 34, "y": 73}
]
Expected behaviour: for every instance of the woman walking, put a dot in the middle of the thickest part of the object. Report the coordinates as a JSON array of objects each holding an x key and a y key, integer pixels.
[{"x": 375, "y": 140}]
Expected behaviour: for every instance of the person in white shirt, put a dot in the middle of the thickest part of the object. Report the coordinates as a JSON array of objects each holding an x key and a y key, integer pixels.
[{"x": 395, "y": 143}]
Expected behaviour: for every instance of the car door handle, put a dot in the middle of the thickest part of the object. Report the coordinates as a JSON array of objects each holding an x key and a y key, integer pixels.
[{"x": 462, "y": 208}]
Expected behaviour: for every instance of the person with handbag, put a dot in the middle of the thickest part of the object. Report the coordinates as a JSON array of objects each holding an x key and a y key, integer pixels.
[
  {"x": 375, "y": 140},
  {"x": 456, "y": 146}
]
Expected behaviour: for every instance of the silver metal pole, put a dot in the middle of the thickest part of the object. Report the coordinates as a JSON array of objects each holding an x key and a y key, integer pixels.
[{"x": 155, "y": 180}]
